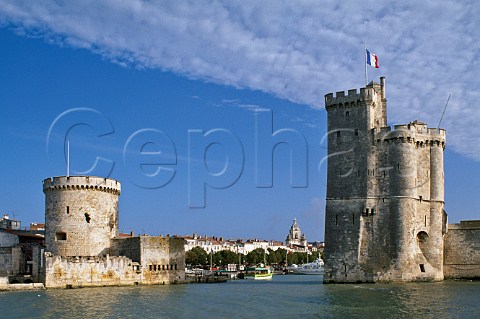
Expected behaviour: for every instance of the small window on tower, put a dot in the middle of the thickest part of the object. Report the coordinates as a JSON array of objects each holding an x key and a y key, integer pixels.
[
  {"x": 67, "y": 210},
  {"x": 60, "y": 236},
  {"x": 356, "y": 132},
  {"x": 338, "y": 134},
  {"x": 347, "y": 113}
]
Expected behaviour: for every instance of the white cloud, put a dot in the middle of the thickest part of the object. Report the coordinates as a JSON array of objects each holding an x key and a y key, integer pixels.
[{"x": 296, "y": 50}]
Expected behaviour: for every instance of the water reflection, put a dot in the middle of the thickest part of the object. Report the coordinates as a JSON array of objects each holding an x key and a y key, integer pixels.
[
  {"x": 283, "y": 297},
  {"x": 410, "y": 300}
]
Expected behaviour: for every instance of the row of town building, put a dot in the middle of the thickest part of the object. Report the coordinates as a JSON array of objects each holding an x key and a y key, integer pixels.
[{"x": 296, "y": 242}]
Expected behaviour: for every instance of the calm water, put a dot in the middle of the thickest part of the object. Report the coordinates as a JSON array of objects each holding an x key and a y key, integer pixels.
[{"x": 283, "y": 297}]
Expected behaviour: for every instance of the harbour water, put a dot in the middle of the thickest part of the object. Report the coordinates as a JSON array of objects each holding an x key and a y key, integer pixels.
[{"x": 288, "y": 296}]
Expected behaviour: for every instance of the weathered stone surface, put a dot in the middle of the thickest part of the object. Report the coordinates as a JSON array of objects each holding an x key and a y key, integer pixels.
[
  {"x": 81, "y": 215},
  {"x": 462, "y": 250},
  {"x": 385, "y": 216},
  {"x": 161, "y": 261}
]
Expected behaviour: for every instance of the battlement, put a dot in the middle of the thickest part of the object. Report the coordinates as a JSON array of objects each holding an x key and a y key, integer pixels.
[
  {"x": 353, "y": 97},
  {"x": 414, "y": 132},
  {"x": 82, "y": 183}
]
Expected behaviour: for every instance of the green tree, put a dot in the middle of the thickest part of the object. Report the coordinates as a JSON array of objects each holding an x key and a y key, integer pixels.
[
  {"x": 255, "y": 256},
  {"x": 225, "y": 257},
  {"x": 281, "y": 255},
  {"x": 272, "y": 257},
  {"x": 314, "y": 256},
  {"x": 197, "y": 256},
  {"x": 292, "y": 258},
  {"x": 302, "y": 257}
]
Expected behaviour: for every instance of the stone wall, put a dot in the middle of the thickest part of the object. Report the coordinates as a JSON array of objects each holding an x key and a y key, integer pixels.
[
  {"x": 462, "y": 250},
  {"x": 7, "y": 239},
  {"x": 81, "y": 215},
  {"x": 71, "y": 272},
  {"x": 146, "y": 260},
  {"x": 8, "y": 261},
  {"x": 162, "y": 259}
]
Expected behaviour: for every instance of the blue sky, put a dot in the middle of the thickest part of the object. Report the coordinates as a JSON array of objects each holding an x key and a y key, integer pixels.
[{"x": 159, "y": 71}]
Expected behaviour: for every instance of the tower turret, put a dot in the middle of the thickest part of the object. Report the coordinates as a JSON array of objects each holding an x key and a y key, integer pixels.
[
  {"x": 385, "y": 208},
  {"x": 81, "y": 215}
]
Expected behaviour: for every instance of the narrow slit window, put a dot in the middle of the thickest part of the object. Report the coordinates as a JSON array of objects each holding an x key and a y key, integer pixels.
[
  {"x": 353, "y": 219},
  {"x": 67, "y": 210},
  {"x": 336, "y": 220},
  {"x": 422, "y": 267},
  {"x": 356, "y": 132},
  {"x": 347, "y": 114}
]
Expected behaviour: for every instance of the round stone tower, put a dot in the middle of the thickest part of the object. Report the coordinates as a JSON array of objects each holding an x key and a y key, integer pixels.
[{"x": 81, "y": 215}]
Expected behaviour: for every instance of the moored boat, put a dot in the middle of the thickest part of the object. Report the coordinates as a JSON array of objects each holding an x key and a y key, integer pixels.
[
  {"x": 313, "y": 268},
  {"x": 260, "y": 272}
]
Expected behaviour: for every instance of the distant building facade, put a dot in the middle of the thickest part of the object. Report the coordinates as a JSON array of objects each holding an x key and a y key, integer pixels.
[
  {"x": 7, "y": 223},
  {"x": 295, "y": 238},
  {"x": 21, "y": 255}
]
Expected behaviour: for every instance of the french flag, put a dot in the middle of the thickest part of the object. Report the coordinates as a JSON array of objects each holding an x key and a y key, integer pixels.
[{"x": 372, "y": 59}]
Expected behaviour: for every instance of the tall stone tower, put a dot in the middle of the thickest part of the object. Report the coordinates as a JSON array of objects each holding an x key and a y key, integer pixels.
[
  {"x": 81, "y": 215},
  {"x": 385, "y": 217}
]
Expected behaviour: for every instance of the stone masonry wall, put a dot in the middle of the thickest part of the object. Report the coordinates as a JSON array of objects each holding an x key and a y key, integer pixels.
[
  {"x": 384, "y": 207},
  {"x": 81, "y": 215},
  {"x": 147, "y": 260},
  {"x": 462, "y": 250},
  {"x": 71, "y": 272},
  {"x": 162, "y": 259},
  {"x": 7, "y": 239}
]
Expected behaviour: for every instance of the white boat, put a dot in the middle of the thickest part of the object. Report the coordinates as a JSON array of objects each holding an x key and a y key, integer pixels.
[
  {"x": 259, "y": 273},
  {"x": 313, "y": 268}
]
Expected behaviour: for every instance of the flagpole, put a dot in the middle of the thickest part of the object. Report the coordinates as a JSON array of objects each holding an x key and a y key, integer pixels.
[
  {"x": 68, "y": 158},
  {"x": 365, "y": 60}
]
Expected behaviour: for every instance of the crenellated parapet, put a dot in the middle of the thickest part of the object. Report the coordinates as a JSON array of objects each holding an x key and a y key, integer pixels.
[
  {"x": 415, "y": 132},
  {"x": 353, "y": 98},
  {"x": 101, "y": 184}
]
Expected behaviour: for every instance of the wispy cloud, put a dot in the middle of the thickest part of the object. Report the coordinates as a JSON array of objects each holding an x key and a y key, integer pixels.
[{"x": 295, "y": 50}]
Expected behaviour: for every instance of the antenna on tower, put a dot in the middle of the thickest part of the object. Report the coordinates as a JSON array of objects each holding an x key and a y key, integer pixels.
[
  {"x": 444, "y": 109},
  {"x": 68, "y": 158}
]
